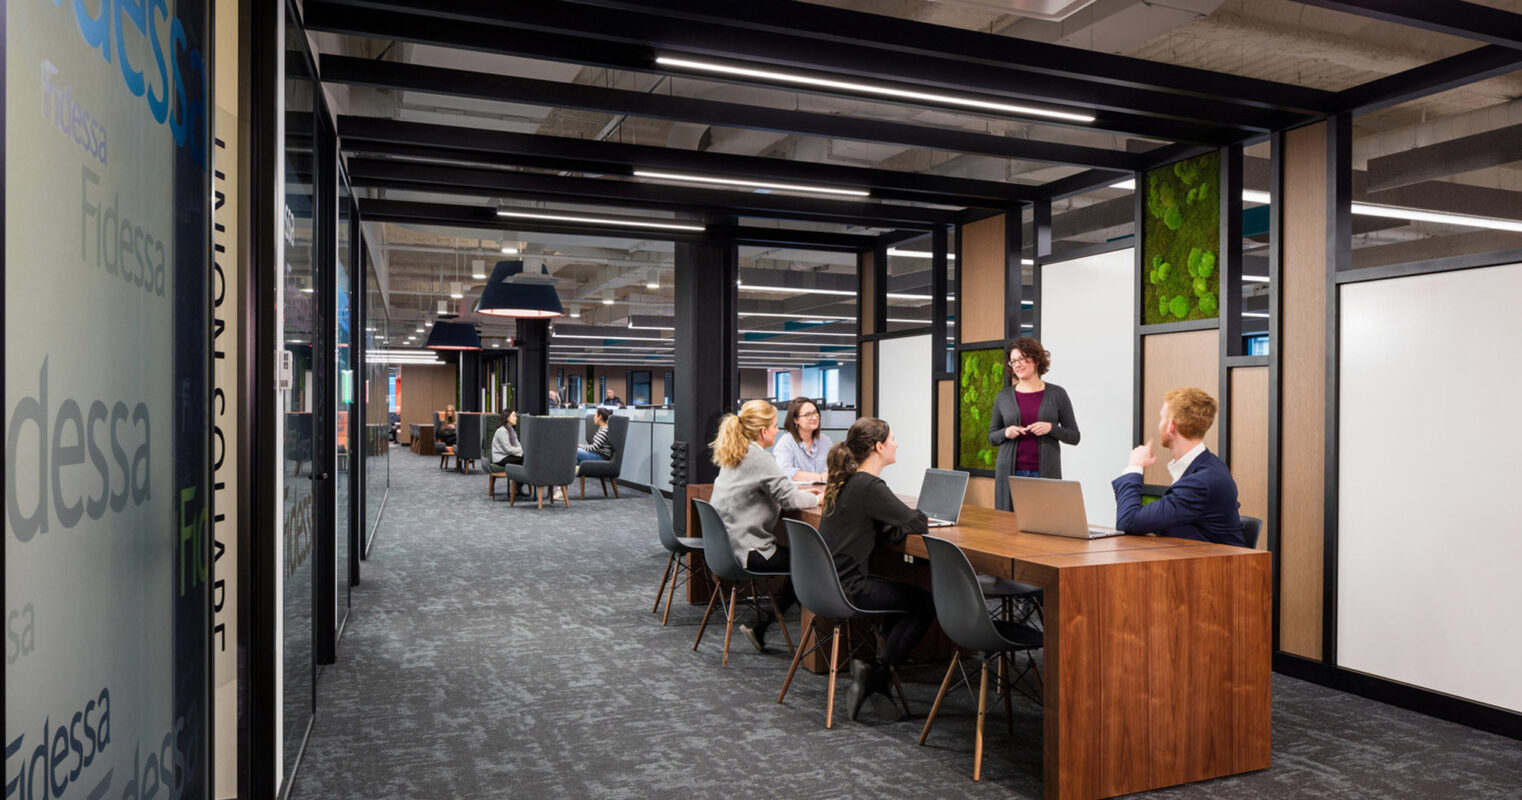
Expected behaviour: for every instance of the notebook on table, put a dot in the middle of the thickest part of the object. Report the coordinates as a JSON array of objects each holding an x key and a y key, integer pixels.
[
  {"x": 941, "y": 495},
  {"x": 1055, "y": 507}
]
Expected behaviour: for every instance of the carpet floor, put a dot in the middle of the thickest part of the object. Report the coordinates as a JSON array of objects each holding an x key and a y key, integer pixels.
[{"x": 497, "y": 652}]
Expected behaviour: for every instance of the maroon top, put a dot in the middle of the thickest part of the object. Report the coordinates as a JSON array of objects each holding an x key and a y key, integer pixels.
[{"x": 1028, "y": 446}]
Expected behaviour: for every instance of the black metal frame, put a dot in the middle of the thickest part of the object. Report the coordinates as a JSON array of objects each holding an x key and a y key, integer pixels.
[{"x": 259, "y": 761}]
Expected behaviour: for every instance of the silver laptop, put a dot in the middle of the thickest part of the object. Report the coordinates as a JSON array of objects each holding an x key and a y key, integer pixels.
[
  {"x": 941, "y": 495},
  {"x": 1044, "y": 505}
]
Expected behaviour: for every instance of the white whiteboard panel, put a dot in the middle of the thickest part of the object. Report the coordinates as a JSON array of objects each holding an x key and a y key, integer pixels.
[
  {"x": 903, "y": 401},
  {"x": 1430, "y": 437},
  {"x": 1087, "y": 312}
]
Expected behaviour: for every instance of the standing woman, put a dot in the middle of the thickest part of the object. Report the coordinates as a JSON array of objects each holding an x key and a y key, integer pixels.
[
  {"x": 803, "y": 452},
  {"x": 1030, "y": 418},
  {"x": 860, "y": 511},
  {"x": 750, "y": 495}
]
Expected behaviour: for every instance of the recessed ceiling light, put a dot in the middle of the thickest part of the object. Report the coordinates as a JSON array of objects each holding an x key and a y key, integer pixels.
[
  {"x": 750, "y": 184},
  {"x": 607, "y": 301},
  {"x": 870, "y": 89},
  {"x": 630, "y": 223},
  {"x": 508, "y": 251}
]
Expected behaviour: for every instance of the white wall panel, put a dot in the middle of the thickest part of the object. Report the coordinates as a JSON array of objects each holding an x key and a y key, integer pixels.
[
  {"x": 1430, "y": 438},
  {"x": 904, "y": 394},
  {"x": 1087, "y": 313}
]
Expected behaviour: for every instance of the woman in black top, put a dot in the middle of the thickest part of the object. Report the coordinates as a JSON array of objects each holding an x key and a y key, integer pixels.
[{"x": 859, "y": 512}]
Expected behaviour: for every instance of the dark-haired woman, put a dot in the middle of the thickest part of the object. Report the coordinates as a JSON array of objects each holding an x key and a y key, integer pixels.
[
  {"x": 860, "y": 511},
  {"x": 802, "y": 452},
  {"x": 1031, "y": 420}
]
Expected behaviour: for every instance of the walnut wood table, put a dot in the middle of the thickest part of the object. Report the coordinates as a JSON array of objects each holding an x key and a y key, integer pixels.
[{"x": 1157, "y": 662}]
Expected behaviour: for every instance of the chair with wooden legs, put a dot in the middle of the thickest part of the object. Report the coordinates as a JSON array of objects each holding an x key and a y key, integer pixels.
[
  {"x": 606, "y": 471},
  {"x": 679, "y": 546},
  {"x": 818, "y": 586},
  {"x": 726, "y": 569},
  {"x": 549, "y": 458},
  {"x": 960, "y": 609}
]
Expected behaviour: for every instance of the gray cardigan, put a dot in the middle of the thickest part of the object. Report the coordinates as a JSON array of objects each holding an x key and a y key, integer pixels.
[
  {"x": 750, "y": 497},
  {"x": 1056, "y": 409}
]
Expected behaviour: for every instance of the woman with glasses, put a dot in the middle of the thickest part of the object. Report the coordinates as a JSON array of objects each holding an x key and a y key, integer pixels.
[
  {"x": 1031, "y": 420},
  {"x": 803, "y": 452}
]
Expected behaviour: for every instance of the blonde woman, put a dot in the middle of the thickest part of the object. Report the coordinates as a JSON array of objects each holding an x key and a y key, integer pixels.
[{"x": 750, "y": 495}]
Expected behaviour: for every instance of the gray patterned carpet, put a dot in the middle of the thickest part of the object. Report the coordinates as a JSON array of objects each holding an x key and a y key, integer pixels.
[{"x": 498, "y": 652}]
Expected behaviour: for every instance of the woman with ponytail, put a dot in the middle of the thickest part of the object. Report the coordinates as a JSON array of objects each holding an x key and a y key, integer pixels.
[
  {"x": 859, "y": 512},
  {"x": 750, "y": 495}
]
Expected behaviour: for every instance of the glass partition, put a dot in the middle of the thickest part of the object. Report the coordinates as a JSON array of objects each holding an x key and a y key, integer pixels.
[
  {"x": 107, "y": 403},
  {"x": 377, "y": 405},
  {"x": 300, "y": 315},
  {"x": 343, "y": 410}
]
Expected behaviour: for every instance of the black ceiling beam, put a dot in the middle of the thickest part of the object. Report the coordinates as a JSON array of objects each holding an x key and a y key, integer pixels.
[
  {"x": 624, "y": 158},
  {"x": 909, "y": 36},
  {"x": 556, "y": 94},
  {"x": 1453, "y": 17},
  {"x": 1439, "y": 76},
  {"x": 417, "y": 213},
  {"x": 451, "y": 179},
  {"x": 630, "y": 40}
]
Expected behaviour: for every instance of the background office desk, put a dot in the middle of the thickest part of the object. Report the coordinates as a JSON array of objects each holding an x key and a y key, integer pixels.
[{"x": 1157, "y": 662}]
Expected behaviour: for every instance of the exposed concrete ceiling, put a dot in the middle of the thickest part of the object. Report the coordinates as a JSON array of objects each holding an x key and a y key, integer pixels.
[{"x": 1274, "y": 40}]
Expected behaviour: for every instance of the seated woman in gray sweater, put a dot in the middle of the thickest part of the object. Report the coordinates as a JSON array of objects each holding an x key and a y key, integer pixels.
[
  {"x": 505, "y": 447},
  {"x": 750, "y": 495},
  {"x": 860, "y": 512}
]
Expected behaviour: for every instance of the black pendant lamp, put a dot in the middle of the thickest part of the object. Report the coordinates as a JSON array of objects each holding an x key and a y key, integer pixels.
[
  {"x": 447, "y": 335},
  {"x": 511, "y": 292}
]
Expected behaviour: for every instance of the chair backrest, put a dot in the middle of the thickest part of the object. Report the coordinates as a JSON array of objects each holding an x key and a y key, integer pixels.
[
  {"x": 438, "y": 422},
  {"x": 663, "y": 525},
  {"x": 618, "y": 434},
  {"x": 1251, "y": 528},
  {"x": 468, "y": 430},
  {"x": 815, "y": 578},
  {"x": 489, "y": 425},
  {"x": 549, "y": 449},
  {"x": 959, "y": 604},
  {"x": 717, "y": 551},
  {"x": 590, "y": 426}
]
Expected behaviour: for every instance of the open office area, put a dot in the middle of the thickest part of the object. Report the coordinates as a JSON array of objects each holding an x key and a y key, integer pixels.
[{"x": 635, "y": 398}]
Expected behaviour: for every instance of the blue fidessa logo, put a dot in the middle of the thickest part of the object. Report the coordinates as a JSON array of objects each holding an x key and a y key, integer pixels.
[{"x": 175, "y": 66}]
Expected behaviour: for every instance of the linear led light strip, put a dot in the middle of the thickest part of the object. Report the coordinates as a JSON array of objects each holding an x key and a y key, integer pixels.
[
  {"x": 870, "y": 89},
  {"x": 894, "y": 251},
  {"x": 834, "y": 292},
  {"x": 666, "y": 226},
  {"x": 1387, "y": 212},
  {"x": 749, "y": 184}
]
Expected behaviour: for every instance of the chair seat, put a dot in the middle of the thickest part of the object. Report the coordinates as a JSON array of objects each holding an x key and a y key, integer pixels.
[
  {"x": 690, "y": 543},
  {"x": 495, "y": 469},
  {"x": 1019, "y": 636},
  {"x": 993, "y": 586},
  {"x": 597, "y": 469}
]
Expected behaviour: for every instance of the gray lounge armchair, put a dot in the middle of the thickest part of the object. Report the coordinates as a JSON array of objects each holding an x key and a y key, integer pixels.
[
  {"x": 605, "y": 471},
  {"x": 467, "y": 447},
  {"x": 549, "y": 457}
]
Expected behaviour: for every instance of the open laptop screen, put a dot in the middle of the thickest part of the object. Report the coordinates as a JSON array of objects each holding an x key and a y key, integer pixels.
[{"x": 941, "y": 494}]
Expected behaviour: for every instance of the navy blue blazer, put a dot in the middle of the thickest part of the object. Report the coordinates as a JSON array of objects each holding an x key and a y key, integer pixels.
[{"x": 1201, "y": 504}]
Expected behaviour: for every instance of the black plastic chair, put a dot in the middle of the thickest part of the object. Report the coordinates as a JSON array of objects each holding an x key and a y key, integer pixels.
[
  {"x": 817, "y": 583},
  {"x": 1251, "y": 528},
  {"x": 725, "y": 568},
  {"x": 1009, "y": 593},
  {"x": 680, "y": 546},
  {"x": 960, "y": 609}
]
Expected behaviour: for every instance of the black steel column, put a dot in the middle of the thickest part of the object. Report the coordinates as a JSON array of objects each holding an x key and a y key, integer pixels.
[
  {"x": 707, "y": 371},
  {"x": 533, "y": 366},
  {"x": 470, "y": 380},
  {"x": 938, "y": 291}
]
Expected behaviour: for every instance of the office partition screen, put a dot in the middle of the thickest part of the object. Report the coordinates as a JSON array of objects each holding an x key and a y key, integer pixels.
[
  {"x": 1086, "y": 323},
  {"x": 904, "y": 393},
  {"x": 107, "y": 427},
  {"x": 1427, "y": 532}
]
